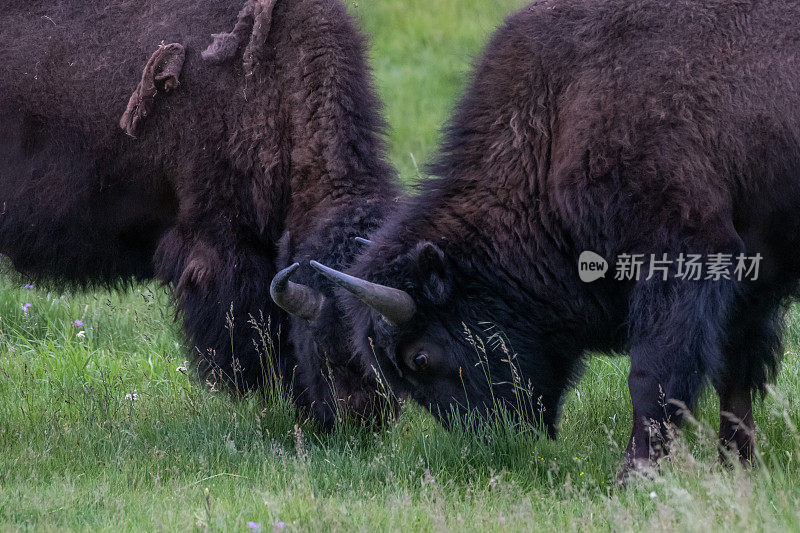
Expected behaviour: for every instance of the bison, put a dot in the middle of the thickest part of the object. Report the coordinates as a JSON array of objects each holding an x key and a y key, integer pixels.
[
  {"x": 193, "y": 175},
  {"x": 660, "y": 127}
]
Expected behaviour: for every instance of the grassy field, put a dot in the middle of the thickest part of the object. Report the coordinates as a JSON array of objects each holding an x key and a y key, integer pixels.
[{"x": 102, "y": 428}]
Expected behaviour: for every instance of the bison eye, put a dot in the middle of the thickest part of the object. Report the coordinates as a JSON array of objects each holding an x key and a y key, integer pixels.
[{"x": 421, "y": 361}]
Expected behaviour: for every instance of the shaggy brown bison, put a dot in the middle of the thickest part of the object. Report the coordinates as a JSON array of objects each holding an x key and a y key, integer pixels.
[
  {"x": 192, "y": 175},
  {"x": 620, "y": 128}
]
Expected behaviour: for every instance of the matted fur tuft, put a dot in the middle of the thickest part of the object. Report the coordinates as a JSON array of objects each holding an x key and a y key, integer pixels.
[
  {"x": 161, "y": 74},
  {"x": 252, "y": 26}
]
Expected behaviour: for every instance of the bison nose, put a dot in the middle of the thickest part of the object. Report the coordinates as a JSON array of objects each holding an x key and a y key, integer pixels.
[
  {"x": 324, "y": 416},
  {"x": 372, "y": 407}
]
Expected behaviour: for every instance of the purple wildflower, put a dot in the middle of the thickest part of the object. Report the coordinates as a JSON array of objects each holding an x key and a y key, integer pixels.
[
  {"x": 78, "y": 323},
  {"x": 25, "y": 308},
  {"x": 253, "y": 525},
  {"x": 29, "y": 287},
  {"x": 280, "y": 525}
]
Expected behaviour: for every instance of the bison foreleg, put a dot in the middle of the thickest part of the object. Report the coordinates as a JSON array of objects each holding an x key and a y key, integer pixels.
[
  {"x": 221, "y": 288},
  {"x": 676, "y": 342},
  {"x": 737, "y": 428},
  {"x": 752, "y": 352}
]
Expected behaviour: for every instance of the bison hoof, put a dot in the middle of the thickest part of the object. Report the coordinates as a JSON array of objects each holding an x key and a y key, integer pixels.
[
  {"x": 636, "y": 469},
  {"x": 734, "y": 452}
]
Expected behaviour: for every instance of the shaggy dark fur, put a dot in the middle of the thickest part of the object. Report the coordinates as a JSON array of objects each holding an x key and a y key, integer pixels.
[
  {"x": 613, "y": 126},
  {"x": 280, "y": 120},
  {"x": 343, "y": 131}
]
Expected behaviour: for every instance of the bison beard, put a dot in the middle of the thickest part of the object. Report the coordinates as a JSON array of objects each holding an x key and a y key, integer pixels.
[
  {"x": 269, "y": 126},
  {"x": 614, "y": 127}
]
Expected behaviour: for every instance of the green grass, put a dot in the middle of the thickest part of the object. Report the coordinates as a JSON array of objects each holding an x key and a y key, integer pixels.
[
  {"x": 101, "y": 430},
  {"x": 422, "y": 52}
]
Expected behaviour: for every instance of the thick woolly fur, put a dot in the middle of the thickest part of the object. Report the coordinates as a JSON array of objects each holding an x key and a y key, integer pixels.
[
  {"x": 282, "y": 134},
  {"x": 613, "y": 126}
]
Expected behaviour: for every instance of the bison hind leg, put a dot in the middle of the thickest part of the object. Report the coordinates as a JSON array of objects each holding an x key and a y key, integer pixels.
[{"x": 752, "y": 353}]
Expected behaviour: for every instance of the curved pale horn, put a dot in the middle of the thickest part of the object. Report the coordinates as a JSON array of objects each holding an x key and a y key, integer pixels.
[
  {"x": 293, "y": 298},
  {"x": 395, "y": 305},
  {"x": 362, "y": 240}
]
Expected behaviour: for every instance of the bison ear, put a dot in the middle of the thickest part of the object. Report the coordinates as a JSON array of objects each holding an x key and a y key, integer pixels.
[{"x": 433, "y": 277}]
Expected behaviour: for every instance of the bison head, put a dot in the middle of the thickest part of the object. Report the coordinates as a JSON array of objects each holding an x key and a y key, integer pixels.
[
  {"x": 329, "y": 379},
  {"x": 426, "y": 328}
]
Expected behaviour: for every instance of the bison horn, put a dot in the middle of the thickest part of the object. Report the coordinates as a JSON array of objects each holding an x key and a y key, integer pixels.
[
  {"x": 293, "y": 298},
  {"x": 362, "y": 240},
  {"x": 395, "y": 305}
]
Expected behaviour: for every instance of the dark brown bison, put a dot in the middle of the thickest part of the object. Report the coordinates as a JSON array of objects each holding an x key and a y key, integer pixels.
[
  {"x": 617, "y": 127},
  {"x": 192, "y": 175}
]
